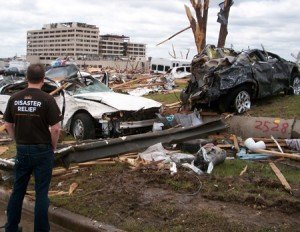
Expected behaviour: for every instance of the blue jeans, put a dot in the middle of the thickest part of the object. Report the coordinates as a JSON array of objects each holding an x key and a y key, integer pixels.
[{"x": 37, "y": 159}]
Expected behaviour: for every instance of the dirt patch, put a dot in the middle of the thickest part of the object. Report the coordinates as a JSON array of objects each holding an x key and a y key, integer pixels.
[{"x": 151, "y": 200}]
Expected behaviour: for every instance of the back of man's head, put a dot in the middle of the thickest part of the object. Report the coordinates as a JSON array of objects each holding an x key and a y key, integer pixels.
[{"x": 35, "y": 73}]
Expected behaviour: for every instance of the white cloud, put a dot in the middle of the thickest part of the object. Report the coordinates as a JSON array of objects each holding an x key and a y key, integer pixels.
[{"x": 273, "y": 23}]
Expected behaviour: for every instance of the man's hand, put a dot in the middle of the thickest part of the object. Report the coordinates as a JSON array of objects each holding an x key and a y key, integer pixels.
[
  {"x": 55, "y": 131},
  {"x": 10, "y": 128}
]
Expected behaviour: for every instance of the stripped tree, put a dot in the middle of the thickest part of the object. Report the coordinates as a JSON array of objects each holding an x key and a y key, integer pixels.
[
  {"x": 223, "y": 16},
  {"x": 198, "y": 26}
]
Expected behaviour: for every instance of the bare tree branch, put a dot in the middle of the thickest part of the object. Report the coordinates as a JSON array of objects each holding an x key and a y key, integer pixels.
[{"x": 174, "y": 35}]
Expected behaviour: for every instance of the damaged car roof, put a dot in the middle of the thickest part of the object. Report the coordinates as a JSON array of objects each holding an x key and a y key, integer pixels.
[{"x": 230, "y": 79}]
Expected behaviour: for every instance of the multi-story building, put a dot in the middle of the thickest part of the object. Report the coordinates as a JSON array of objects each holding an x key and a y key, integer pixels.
[
  {"x": 80, "y": 41},
  {"x": 116, "y": 46},
  {"x": 63, "y": 39}
]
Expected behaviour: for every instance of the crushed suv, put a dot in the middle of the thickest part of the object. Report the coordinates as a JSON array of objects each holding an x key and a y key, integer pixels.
[{"x": 231, "y": 80}]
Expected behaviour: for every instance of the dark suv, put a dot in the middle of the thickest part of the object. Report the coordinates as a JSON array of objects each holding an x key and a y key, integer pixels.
[{"x": 231, "y": 80}]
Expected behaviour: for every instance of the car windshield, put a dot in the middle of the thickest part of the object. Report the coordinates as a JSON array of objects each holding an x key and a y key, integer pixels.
[
  {"x": 243, "y": 58},
  {"x": 62, "y": 71},
  {"x": 90, "y": 86}
]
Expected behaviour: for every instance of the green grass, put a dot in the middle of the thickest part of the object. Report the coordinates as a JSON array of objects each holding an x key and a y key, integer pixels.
[
  {"x": 281, "y": 106},
  {"x": 234, "y": 168},
  {"x": 167, "y": 98}
]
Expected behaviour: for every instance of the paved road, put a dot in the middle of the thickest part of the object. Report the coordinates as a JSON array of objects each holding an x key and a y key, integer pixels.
[{"x": 26, "y": 222}]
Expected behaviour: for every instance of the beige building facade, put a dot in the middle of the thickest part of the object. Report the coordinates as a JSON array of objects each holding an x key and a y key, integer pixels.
[
  {"x": 115, "y": 46},
  {"x": 80, "y": 41},
  {"x": 63, "y": 39}
]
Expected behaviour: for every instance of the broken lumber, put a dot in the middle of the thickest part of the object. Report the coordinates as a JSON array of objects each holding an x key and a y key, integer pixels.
[
  {"x": 281, "y": 177},
  {"x": 50, "y": 193},
  {"x": 244, "y": 170},
  {"x": 225, "y": 145},
  {"x": 92, "y": 163},
  {"x": 65, "y": 85},
  {"x": 61, "y": 171},
  {"x": 2, "y": 128},
  {"x": 279, "y": 154},
  {"x": 173, "y": 104},
  {"x": 129, "y": 82},
  {"x": 139, "y": 86},
  {"x": 5, "y": 140},
  {"x": 268, "y": 140},
  {"x": 73, "y": 187},
  {"x": 3, "y": 149},
  {"x": 236, "y": 144}
]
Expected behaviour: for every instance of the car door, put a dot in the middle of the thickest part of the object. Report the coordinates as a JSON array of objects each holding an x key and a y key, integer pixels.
[
  {"x": 281, "y": 76},
  {"x": 263, "y": 73}
]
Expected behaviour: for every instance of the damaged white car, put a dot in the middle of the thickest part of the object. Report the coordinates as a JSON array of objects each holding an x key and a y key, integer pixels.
[{"x": 91, "y": 109}]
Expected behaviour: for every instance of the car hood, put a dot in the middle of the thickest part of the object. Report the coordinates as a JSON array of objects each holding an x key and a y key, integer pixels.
[{"x": 120, "y": 101}]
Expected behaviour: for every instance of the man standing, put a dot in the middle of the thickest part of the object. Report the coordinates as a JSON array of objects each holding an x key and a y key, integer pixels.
[{"x": 28, "y": 116}]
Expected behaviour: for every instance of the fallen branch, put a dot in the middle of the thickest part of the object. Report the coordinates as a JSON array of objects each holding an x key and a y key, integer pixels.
[{"x": 172, "y": 36}]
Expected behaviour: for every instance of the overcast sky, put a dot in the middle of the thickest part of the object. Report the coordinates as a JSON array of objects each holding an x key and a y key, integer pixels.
[{"x": 273, "y": 23}]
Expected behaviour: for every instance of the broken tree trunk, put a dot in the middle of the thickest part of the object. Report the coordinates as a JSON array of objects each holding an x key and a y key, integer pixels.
[
  {"x": 223, "y": 28},
  {"x": 199, "y": 26}
]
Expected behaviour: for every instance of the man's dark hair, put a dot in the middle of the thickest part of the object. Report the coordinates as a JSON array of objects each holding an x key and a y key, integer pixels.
[{"x": 35, "y": 73}]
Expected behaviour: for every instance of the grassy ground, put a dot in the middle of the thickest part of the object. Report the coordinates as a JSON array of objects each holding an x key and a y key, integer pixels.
[
  {"x": 165, "y": 98},
  {"x": 282, "y": 106},
  {"x": 279, "y": 106},
  {"x": 149, "y": 199}
]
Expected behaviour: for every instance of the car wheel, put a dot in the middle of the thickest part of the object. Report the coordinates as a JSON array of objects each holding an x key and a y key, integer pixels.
[
  {"x": 296, "y": 85},
  {"x": 239, "y": 99},
  {"x": 83, "y": 127},
  {"x": 242, "y": 101}
]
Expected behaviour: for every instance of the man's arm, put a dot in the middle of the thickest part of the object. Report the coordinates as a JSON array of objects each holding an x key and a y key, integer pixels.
[
  {"x": 55, "y": 131},
  {"x": 10, "y": 128}
]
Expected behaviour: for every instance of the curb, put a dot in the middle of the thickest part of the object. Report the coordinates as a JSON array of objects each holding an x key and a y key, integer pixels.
[{"x": 62, "y": 217}]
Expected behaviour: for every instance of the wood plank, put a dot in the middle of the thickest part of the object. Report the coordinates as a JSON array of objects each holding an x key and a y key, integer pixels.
[
  {"x": 129, "y": 82},
  {"x": 225, "y": 145},
  {"x": 281, "y": 177},
  {"x": 244, "y": 170},
  {"x": 266, "y": 140},
  {"x": 92, "y": 163},
  {"x": 3, "y": 149},
  {"x": 235, "y": 142},
  {"x": 279, "y": 154},
  {"x": 173, "y": 104},
  {"x": 2, "y": 128}
]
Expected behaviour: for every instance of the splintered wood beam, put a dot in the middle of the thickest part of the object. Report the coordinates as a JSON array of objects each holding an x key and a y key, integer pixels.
[
  {"x": 279, "y": 154},
  {"x": 236, "y": 144},
  {"x": 281, "y": 177},
  {"x": 172, "y": 36}
]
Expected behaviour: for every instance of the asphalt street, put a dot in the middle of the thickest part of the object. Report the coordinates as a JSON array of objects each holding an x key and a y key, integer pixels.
[{"x": 26, "y": 222}]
